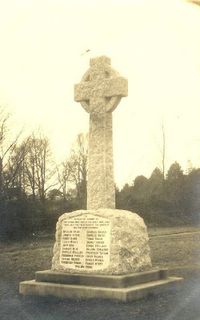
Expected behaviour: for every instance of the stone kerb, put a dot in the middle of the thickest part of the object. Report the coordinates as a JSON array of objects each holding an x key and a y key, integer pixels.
[{"x": 115, "y": 242}]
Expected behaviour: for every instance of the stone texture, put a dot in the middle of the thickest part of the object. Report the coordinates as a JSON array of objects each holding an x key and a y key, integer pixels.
[
  {"x": 99, "y": 92},
  {"x": 100, "y": 189},
  {"x": 128, "y": 243}
]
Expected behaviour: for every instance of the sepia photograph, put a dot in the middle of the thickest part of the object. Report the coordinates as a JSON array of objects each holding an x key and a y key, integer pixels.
[{"x": 100, "y": 159}]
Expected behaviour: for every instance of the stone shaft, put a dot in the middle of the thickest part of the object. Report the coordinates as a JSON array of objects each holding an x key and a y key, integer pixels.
[
  {"x": 100, "y": 185},
  {"x": 99, "y": 93}
]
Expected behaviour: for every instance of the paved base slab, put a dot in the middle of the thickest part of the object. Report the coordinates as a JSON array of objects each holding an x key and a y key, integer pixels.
[
  {"x": 98, "y": 280},
  {"x": 87, "y": 292},
  {"x": 83, "y": 286}
]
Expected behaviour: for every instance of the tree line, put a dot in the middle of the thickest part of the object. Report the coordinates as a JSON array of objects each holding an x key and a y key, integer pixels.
[
  {"x": 170, "y": 200},
  {"x": 35, "y": 191}
]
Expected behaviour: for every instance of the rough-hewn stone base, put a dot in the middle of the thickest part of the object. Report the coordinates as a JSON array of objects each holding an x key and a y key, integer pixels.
[
  {"x": 127, "y": 242},
  {"x": 124, "y": 288}
]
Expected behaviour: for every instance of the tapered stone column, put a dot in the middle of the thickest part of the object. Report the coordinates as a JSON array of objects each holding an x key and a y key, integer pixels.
[{"x": 99, "y": 92}]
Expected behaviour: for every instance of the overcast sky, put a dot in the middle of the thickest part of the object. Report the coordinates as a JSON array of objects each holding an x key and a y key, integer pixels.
[{"x": 154, "y": 44}]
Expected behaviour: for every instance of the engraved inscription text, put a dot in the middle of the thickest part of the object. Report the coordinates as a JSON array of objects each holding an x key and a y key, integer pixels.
[{"x": 85, "y": 243}]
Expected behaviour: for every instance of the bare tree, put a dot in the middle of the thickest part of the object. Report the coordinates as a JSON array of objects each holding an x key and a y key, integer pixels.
[
  {"x": 64, "y": 177},
  {"x": 15, "y": 172},
  {"x": 7, "y": 149},
  {"x": 73, "y": 171},
  {"x": 39, "y": 167}
]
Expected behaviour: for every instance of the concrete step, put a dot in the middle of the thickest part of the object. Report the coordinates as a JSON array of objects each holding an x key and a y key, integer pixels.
[
  {"x": 109, "y": 281},
  {"x": 87, "y": 292}
]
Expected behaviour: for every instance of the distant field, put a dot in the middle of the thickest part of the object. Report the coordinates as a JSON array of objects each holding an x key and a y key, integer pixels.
[{"x": 170, "y": 230}]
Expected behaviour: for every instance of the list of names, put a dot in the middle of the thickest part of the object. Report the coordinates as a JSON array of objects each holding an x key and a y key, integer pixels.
[{"x": 85, "y": 243}]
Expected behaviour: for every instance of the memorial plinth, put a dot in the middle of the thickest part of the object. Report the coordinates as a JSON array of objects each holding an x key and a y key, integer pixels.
[
  {"x": 104, "y": 241},
  {"x": 100, "y": 254},
  {"x": 124, "y": 288}
]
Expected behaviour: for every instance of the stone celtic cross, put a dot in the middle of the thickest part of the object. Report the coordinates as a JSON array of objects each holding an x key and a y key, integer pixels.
[{"x": 99, "y": 93}]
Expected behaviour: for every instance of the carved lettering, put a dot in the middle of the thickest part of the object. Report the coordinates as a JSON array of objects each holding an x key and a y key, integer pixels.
[{"x": 85, "y": 243}]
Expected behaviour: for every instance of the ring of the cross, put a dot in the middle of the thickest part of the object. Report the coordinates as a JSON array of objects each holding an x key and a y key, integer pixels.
[{"x": 112, "y": 102}]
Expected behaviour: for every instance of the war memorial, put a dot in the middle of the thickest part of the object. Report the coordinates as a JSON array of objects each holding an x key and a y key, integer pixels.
[{"x": 100, "y": 252}]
